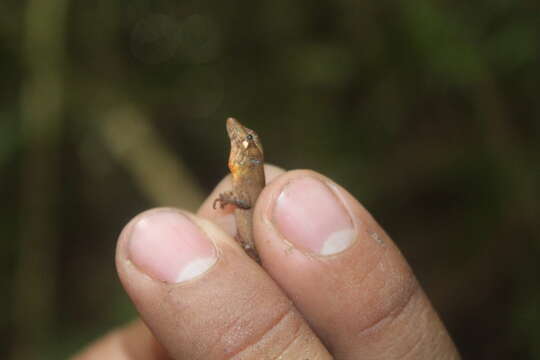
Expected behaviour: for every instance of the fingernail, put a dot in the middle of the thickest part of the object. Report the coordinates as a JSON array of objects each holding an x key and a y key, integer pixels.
[
  {"x": 309, "y": 215},
  {"x": 167, "y": 246}
]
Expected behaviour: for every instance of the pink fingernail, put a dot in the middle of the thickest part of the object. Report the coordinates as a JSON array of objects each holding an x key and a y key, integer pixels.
[
  {"x": 169, "y": 247},
  {"x": 309, "y": 215}
]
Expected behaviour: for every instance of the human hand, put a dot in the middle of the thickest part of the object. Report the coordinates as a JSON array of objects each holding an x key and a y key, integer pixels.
[{"x": 332, "y": 283}]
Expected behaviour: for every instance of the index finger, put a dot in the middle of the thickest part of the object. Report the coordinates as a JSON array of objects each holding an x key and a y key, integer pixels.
[{"x": 346, "y": 276}]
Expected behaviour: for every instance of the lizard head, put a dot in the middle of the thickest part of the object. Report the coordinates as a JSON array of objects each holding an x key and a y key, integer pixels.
[{"x": 246, "y": 148}]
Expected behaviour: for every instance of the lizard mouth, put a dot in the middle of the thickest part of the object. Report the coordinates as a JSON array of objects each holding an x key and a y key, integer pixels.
[
  {"x": 235, "y": 130},
  {"x": 241, "y": 137}
]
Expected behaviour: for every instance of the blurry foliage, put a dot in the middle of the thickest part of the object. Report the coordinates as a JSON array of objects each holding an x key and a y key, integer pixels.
[{"x": 425, "y": 110}]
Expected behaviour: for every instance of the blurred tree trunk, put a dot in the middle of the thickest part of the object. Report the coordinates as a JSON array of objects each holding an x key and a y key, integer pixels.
[{"x": 42, "y": 102}]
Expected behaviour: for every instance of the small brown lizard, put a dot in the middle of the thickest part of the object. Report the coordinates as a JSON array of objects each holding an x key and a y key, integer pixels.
[{"x": 246, "y": 164}]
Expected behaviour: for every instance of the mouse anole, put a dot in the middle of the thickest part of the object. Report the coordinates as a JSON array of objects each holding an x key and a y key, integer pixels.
[{"x": 246, "y": 164}]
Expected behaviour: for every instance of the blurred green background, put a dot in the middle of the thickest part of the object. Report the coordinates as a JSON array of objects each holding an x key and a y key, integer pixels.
[{"x": 427, "y": 111}]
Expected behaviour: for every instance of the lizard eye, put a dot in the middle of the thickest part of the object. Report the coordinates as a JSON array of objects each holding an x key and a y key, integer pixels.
[{"x": 249, "y": 137}]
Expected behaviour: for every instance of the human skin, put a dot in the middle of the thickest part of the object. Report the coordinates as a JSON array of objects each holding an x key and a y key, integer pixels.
[{"x": 332, "y": 283}]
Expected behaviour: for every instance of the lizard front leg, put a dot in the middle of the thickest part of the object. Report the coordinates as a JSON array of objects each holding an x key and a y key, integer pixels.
[{"x": 230, "y": 197}]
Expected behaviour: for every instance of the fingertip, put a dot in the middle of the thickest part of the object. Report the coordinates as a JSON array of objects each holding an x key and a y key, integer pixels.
[
  {"x": 130, "y": 342},
  {"x": 165, "y": 244}
]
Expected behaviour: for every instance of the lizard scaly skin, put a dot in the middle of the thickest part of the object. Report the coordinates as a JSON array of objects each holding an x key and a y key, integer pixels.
[{"x": 246, "y": 163}]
